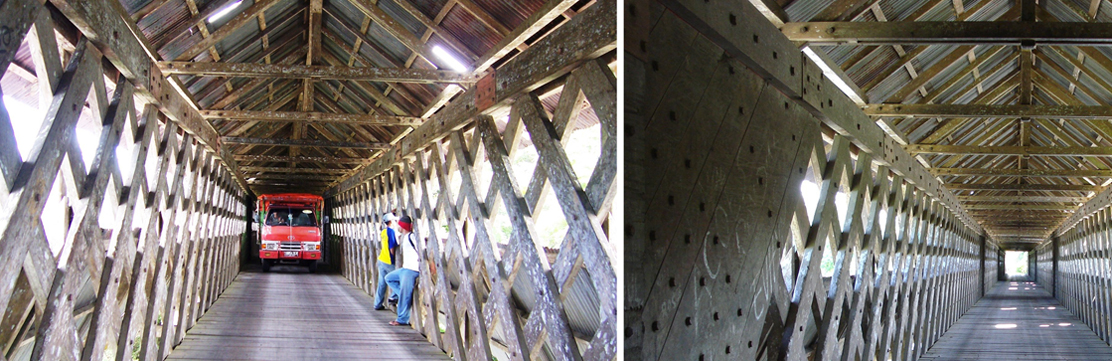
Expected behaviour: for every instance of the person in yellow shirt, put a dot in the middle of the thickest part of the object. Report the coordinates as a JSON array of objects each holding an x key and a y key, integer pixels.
[{"x": 386, "y": 259}]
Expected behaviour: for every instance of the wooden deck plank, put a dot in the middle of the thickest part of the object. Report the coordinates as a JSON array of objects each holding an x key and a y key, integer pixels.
[
  {"x": 1043, "y": 330},
  {"x": 289, "y": 314}
]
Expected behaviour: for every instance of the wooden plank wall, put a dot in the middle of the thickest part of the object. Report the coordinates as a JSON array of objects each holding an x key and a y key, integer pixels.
[
  {"x": 724, "y": 121},
  {"x": 502, "y": 298},
  {"x": 1081, "y": 274},
  {"x": 1045, "y": 253},
  {"x": 114, "y": 260}
]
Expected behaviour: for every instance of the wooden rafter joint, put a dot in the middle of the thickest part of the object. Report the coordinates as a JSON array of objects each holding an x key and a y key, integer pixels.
[{"x": 283, "y": 71}]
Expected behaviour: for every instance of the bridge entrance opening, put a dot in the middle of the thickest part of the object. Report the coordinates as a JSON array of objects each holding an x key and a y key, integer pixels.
[{"x": 1015, "y": 263}]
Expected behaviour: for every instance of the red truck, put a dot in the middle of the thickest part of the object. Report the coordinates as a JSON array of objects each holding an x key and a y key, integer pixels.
[{"x": 290, "y": 229}]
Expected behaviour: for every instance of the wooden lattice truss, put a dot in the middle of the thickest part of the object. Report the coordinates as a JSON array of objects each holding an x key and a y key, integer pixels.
[
  {"x": 118, "y": 258},
  {"x": 508, "y": 296},
  {"x": 724, "y": 257}
]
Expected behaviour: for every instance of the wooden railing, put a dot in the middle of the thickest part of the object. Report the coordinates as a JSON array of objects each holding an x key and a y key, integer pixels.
[
  {"x": 116, "y": 259},
  {"x": 486, "y": 277}
]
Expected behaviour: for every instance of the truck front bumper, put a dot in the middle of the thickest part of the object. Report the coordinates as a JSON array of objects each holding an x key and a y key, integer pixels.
[{"x": 290, "y": 255}]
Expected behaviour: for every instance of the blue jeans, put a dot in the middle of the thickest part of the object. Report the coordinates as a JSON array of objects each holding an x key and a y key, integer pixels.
[
  {"x": 403, "y": 280},
  {"x": 380, "y": 287}
]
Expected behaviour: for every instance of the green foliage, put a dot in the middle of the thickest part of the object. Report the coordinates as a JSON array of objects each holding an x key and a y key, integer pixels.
[{"x": 136, "y": 347}]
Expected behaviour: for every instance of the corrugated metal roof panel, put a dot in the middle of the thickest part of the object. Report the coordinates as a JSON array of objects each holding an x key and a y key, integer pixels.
[
  {"x": 470, "y": 31},
  {"x": 805, "y": 10}
]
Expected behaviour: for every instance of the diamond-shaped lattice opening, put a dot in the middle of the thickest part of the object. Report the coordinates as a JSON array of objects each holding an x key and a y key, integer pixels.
[
  {"x": 581, "y": 302},
  {"x": 524, "y": 162},
  {"x": 25, "y": 100},
  {"x": 89, "y": 125},
  {"x": 26, "y": 121},
  {"x": 481, "y": 170},
  {"x": 127, "y": 149},
  {"x": 20, "y": 315},
  {"x": 549, "y": 219},
  {"x": 584, "y": 147},
  {"x": 501, "y": 230},
  {"x": 789, "y": 259},
  {"x": 57, "y": 214},
  {"x": 455, "y": 179},
  {"x": 153, "y": 161}
]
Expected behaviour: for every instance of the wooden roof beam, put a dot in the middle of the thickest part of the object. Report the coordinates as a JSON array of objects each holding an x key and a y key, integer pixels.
[
  {"x": 296, "y": 170},
  {"x": 255, "y": 70},
  {"x": 988, "y": 111},
  {"x": 989, "y": 172},
  {"x": 281, "y": 158},
  {"x": 1008, "y": 150},
  {"x": 302, "y": 143},
  {"x": 934, "y": 32},
  {"x": 1029, "y": 199},
  {"x": 1023, "y": 187},
  {"x": 1026, "y": 207}
]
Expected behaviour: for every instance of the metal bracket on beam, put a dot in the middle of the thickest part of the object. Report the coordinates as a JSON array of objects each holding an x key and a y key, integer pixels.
[{"x": 486, "y": 89}]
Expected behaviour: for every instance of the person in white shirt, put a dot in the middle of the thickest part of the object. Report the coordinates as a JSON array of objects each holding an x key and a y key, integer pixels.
[{"x": 403, "y": 279}]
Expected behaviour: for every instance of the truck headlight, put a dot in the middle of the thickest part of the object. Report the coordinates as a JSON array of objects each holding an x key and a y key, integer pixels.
[
  {"x": 310, "y": 246},
  {"x": 270, "y": 246}
]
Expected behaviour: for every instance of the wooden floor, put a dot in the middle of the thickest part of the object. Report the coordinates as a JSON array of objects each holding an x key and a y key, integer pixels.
[
  {"x": 289, "y": 314},
  {"x": 1019, "y": 321}
]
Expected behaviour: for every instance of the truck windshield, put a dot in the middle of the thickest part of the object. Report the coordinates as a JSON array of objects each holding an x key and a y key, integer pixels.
[{"x": 293, "y": 217}]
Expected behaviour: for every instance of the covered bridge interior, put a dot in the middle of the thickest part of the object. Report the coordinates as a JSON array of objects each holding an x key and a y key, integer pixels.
[
  {"x": 841, "y": 179},
  {"x": 134, "y": 136}
]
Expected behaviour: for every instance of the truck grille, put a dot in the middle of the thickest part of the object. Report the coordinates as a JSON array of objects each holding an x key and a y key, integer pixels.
[{"x": 291, "y": 246}]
